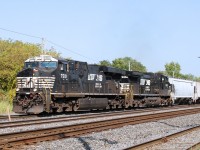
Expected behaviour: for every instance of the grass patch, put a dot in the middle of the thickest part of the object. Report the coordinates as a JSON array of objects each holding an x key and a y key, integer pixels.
[
  {"x": 6, "y": 101},
  {"x": 4, "y": 105}
]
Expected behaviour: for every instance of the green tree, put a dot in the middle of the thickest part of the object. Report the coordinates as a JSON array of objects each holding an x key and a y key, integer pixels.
[
  {"x": 162, "y": 72},
  {"x": 187, "y": 76},
  {"x": 12, "y": 57},
  {"x": 52, "y": 52},
  {"x": 105, "y": 63},
  {"x": 197, "y": 79},
  {"x": 123, "y": 63},
  {"x": 173, "y": 69}
]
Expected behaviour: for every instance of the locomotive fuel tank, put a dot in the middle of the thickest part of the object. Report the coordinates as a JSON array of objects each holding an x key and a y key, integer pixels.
[{"x": 92, "y": 103}]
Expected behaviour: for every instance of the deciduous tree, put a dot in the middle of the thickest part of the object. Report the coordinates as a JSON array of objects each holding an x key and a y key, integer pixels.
[
  {"x": 12, "y": 57},
  {"x": 124, "y": 63},
  {"x": 173, "y": 69},
  {"x": 105, "y": 63}
]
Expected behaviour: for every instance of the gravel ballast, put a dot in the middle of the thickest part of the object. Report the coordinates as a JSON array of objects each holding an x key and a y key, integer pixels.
[
  {"x": 65, "y": 123},
  {"x": 124, "y": 137},
  {"x": 180, "y": 143}
]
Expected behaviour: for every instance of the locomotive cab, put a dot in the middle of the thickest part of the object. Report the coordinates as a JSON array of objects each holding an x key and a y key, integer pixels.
[
  {"x": 124, "y": 84},
  {"x": 37, "y": 74},
  {"x": 36, "y": 78}
]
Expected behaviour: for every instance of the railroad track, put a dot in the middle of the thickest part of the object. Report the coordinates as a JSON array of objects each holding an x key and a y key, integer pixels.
[
  {"x": 195, "y": 147},
  {"x": 24, "y": 116},
  {"x": 39, "y": 121},
  {"x": 5, "y": 117},
  {"x": 18, "y": 139},
  {"x": 152, "y": 144}
]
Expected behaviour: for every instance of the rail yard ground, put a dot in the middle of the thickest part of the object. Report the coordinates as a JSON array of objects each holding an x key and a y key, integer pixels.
[
  {"x": 124, "y": 137},
  {"x": 119, "y": 138}
]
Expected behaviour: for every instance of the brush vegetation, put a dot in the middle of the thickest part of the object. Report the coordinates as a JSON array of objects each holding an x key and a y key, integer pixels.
[
  {"x": 5, "y": 102},
  {"x": 12, "y": 57}
]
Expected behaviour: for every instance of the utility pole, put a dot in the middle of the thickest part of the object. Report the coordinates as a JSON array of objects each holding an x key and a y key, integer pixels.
[
  {"x": 52, "y": 48},
  {"x": 174, "y": 70},
  {"x": 129, "y": 66},
  {"x": 43, "y": 46}
]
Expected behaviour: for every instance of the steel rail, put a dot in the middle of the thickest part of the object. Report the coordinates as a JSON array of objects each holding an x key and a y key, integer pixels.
[
  {"x": 79, "y": 117},
  {"x": 24, "y": 116},
  {"x": 21, "y": 116},
  {"x": 195, "y": 147},
  {"x": 6, "y": 117},
  {"x": 18, "y": 139},
  {"x": 161, "y": 140}
]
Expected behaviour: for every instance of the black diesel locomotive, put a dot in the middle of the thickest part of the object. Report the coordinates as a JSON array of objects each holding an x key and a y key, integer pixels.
[{"x": 49, "y": 85}]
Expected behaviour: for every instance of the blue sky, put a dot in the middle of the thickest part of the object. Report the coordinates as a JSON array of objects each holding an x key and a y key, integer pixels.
[{"x": 154, "y": 32}]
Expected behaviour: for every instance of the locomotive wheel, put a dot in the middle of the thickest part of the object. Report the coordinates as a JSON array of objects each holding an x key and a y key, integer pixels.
[
  {"x": 66, "y": 109},
  {"x": 75, "y": 107},
  {"x": 114, "y": 106},
  {"x": 126, "y": 105},
  {"x": 190, "y": 102},
  {"x": 119, "y": 106},
  {"x": 108, "y": 107},
  {"x": 60, "y": 108}
]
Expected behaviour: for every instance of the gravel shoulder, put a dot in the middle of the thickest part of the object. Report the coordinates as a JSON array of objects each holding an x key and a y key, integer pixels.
[
  {"x": 124, "y": 137},
  {"x": 179, "y": 143},
  {"x": 65, "y": 123}
]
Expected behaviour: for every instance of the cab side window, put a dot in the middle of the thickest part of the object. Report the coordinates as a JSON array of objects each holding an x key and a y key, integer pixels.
[
  {"x": 67, "y": 67},
  {"x": 61, "y": 67}
]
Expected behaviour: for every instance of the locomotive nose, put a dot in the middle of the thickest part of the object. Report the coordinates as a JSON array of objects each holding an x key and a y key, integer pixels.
[
  {"x": 26, "y": 73},
  {"x": 35, "y": 72}
]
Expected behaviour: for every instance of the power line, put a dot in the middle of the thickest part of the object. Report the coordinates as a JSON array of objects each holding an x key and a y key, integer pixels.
[
  {"x": 58, "y": 45},
  {"x": 70, "y": 50},
  {"x": 21, "y": 33}
]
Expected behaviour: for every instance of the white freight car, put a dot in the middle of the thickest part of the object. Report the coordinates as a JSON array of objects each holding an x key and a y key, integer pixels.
[
  {"x": 197, "y": 92},
  {"x": 183, "y": 91}
]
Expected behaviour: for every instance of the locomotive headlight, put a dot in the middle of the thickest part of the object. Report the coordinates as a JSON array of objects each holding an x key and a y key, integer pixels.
[
  {"x": 35, "y": 90},
  {"x": 35, "y": 70},
  {"x": 17, "y": 89},
  {"x": 35, "y": 80}
]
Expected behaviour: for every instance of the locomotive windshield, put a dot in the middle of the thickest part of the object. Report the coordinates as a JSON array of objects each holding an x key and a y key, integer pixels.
[
  {"x": 31, "y": 64},
  {"x": 48, "y": 64},
  {"x": 41, "y": 64},
  {"x": 42, "y": 61}
]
